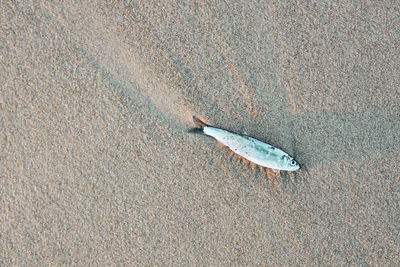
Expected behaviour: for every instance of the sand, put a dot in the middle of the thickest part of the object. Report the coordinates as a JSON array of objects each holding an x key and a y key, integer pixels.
[{"x": 97, "y": 167}]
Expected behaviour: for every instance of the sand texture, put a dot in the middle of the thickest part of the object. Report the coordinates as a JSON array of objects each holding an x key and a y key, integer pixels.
[{"x": 97, "y": 166}]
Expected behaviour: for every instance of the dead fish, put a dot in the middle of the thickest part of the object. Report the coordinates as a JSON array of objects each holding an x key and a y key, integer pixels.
[{"x": 251, "y": 149}]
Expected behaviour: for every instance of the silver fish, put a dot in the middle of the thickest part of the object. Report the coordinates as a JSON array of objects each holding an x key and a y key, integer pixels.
[{"x": 250, "y": 148}]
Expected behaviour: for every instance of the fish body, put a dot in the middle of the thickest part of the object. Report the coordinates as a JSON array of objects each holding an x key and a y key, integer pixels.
[{"x": 250, "y": 148}]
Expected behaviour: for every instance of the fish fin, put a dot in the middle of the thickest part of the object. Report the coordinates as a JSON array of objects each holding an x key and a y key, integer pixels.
[{"x": 199, "y": 123}]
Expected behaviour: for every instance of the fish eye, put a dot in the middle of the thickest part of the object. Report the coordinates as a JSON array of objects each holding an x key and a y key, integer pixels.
[{"x": 293, "y": 162}]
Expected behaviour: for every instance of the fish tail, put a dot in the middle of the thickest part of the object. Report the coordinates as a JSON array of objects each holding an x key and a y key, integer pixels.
[{"x": 199, "y": 123}]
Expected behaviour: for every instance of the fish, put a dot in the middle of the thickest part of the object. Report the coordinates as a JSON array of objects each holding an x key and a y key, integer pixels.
[{"x": 249, "y": 148}]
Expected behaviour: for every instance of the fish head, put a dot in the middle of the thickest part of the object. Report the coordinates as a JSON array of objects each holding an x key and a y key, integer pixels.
[{"x": 288, "y": 163}]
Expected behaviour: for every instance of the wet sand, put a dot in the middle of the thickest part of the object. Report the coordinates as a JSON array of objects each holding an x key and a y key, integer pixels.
[{"x": 97, "y": 167}]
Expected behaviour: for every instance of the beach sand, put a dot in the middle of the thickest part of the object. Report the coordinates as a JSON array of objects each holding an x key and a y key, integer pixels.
[{"x": 97, "y": 166}]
